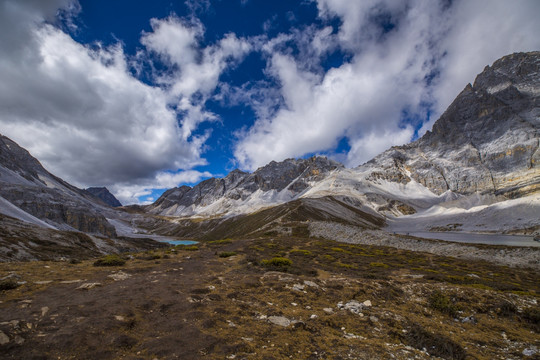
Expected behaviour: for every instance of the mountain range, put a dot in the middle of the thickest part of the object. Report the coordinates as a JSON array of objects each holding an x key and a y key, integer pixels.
[{"x": 476, "y": 170}]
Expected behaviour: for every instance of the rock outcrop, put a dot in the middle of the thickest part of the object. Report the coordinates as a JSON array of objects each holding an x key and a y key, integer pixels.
[
  {"x": 486, "y": 141},
  {"x": 26, "y": 184},
  {"x": 104, "y": 195}
]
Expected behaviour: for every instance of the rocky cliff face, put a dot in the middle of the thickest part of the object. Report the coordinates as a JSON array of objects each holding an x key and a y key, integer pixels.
[
  {"x": 486, "y": 141},
  {"x": 104, "y": 195},
  {"x": 278, "y": 181},
  {"x": 26, "y": 184}
]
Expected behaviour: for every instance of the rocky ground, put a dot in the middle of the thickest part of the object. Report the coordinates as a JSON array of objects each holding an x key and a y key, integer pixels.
[{"x": 270, "y": 298}]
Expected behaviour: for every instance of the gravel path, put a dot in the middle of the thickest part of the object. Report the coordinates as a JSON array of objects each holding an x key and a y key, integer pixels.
[{"x": 505, "y": 255}]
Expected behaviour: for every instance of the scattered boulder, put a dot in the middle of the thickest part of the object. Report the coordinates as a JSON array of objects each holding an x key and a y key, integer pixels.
[
  {"x": 354, "y": 306},
  {"x": 530, "y": 351}
]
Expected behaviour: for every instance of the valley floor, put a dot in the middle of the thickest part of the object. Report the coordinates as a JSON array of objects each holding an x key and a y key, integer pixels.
[{"x": 271, "y": 298}]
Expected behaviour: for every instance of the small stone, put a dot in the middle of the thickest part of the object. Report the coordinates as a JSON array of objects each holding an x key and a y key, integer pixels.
[
  {"x": 119, "y": 317},
  {"x": 70, "y": 281},
  {"x": 44, "y": 282},
  {"x": 328, "y": 310},
  {"x": 11, "y": 276},
  {"x": 120, "y": 275},
  {"x": 373, "y": 319},
  {"x": 469, "y": 319},
  {"x": 313, "y": 316},
  {"x": 530, "y": 351},
  {"x": 88, "y": 286},
  {"x": 367, "y": 303},
  {"x": 279, "y": 320},
  {"x": 4, "y": 339},
  {"x": 18, "y": 340},
  {"x": 298, "y": 287},
  {"x": 294, "y": 304},
  {"x": 14, "y": 323},
  {"x": 310, "y": 284},
  {"x": 44, "y": 311}
]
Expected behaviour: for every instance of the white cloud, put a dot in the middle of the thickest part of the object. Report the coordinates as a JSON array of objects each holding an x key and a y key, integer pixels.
[
  {"x": 198, "y": 69},
  {"x": 403, "y": 55},
  {"x": 81, "y": 112}
]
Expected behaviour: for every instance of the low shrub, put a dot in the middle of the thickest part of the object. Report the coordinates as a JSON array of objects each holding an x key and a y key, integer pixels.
[
  {"x": 226, "y": 254},
  {"x": 506, "y": 308},
  {"x": 532, "y": 316},
  {"x": 110, "y": 260},
  {"x": 442, "y": 303},
  {"x": 436, "y": 344},
  {"x": 8, "y": 284}
]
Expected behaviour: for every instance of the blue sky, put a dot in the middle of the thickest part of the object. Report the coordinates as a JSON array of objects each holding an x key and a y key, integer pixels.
[{"x": 145, "y": 96}]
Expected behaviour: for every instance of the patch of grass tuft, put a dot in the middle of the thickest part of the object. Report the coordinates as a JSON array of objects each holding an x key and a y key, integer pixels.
[
  {"x": 278, "y": 263},
  {"x": 379, "y": 265},
  {"x": 187, "y": 247},
  {"x": 346, "y": 266},
  {"x": 110, "y": 260},
  {"x": 300, "y": 252},
  {"x": 220, "y": 242}
]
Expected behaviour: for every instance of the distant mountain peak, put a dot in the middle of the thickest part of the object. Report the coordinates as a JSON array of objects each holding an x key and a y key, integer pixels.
[{"x": 105, "y": 195}]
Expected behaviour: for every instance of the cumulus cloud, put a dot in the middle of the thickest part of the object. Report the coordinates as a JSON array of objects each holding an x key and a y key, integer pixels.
[
  {"x": 407, "y": 60},
  {"x": 80, "y": 110},
  {"x": 198, "y": 69}
]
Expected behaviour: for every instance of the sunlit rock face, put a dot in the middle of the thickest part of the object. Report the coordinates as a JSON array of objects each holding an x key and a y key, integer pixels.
[{"x": 486, "y": 141}]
